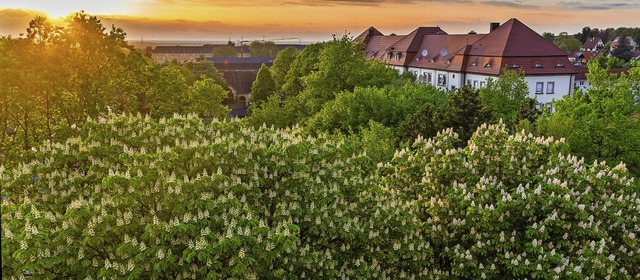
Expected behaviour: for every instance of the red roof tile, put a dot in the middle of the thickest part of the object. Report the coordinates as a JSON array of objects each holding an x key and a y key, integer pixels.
[
  {"x": 513, "y": 38},
  {"x": 436, "y": 45},
  {"x": 512, "y": 45},
  {"x": 378, "y": 45},
  {"x": 409, "y": 44},
  {"x": 591, "y": 43},
  {"x": 365, "y": 36}
]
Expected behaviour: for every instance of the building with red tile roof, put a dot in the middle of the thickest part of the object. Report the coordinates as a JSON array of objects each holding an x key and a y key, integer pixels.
[
  {"x": 592, "y": 44},
  {"x": 451, "y": 61}
]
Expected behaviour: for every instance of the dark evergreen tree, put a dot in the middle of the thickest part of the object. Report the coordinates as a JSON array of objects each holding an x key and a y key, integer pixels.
[
  {"x": 464, "y": 112},
  {"x": 422, "y": 122},
  {"x": 623, "y": 50}
]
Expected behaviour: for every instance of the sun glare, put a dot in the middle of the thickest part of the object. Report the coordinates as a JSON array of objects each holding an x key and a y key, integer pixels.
[{"x": 63, "y": 8}]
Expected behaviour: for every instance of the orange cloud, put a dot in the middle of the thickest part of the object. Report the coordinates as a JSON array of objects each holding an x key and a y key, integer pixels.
[{"x": 15, "y": 21}]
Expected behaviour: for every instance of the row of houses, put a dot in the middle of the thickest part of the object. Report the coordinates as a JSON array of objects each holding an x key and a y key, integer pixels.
[
  {"x": 450, "y": 61},
  {"x": 193, "y": 53},
  {"x": 595, "y": 44}
]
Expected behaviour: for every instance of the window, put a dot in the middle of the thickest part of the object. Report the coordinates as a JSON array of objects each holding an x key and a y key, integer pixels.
[
  {"x": 514, "y": 66},
  {"x": 537, "y": 65},
  {"x": 549, "y": 106},
  {"x": 539, "y": 87},
  {"x": 398, "y": 56},
  {"x": 582, "y": 83},
  {"x": 468, "y": 82},
  {"x": 428, "y": 77},
  {"x": 474, "y": 64},
  {"x": 488, "y": 65},
  {"x": 389, "y": 55},
  {"x": 442, "y": 80},
  {"x": 559, "y": 65},
  {"x": 475, "y": 84},
  {"x": 482, "y": 83},
  {"x": 550, "y": 87}
]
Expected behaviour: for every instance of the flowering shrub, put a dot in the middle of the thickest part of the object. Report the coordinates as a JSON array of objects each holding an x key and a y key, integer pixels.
[
  {"x": 516, "y": 206},
  {"x": 175, "y": 198},
  {"x": 130, "y": 197}
]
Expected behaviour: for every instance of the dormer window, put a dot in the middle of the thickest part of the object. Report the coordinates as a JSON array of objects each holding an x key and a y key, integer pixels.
[
  {"x": 448, "y": 62},
  {"x": 431, "y": 60},
  {"x": 514, "y": 66},
  {"x": 559, "y": 65},
  {"x": 488, "y": 65},
  {"x": 537, "y": 65},
  {"x": 474, "y": 64}
]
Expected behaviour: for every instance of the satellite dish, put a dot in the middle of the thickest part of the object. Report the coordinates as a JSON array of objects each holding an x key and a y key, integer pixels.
[
  {"x": 443, "y": 52},
  {"x": 425, "y": 52}
]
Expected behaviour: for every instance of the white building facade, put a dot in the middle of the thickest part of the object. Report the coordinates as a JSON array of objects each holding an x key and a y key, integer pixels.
[{"x": 450, "y": 62}]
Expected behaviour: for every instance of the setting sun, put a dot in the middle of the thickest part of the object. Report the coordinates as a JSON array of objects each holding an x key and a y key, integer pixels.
[{"x": 57, "y": 9}]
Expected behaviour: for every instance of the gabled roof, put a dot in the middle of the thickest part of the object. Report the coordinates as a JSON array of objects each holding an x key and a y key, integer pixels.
[
  {"x": 591, "y": 43},
  {"x": 365, "y": 36},
  {"x": 514, "y": 38},
  {"x": 411, "y": 42}
]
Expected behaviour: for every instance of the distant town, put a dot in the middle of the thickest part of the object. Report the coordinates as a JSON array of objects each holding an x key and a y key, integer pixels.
[{"x": 553, "y": 65}]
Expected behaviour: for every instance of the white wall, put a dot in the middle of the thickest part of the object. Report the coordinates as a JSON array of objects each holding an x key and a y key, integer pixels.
[
  {"x": 563, "y": 85},
  {"x": 582, "y": 85},
  {"x": 478, "y": 80}
]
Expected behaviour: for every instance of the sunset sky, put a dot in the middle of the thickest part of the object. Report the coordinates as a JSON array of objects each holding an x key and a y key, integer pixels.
[{"x": 317, "y": 19}]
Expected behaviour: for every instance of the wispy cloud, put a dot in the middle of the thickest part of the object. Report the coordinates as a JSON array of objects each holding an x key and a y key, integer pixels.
[
  {"x": 600, "y": 5},
  {"x": 516, "y": 4}
]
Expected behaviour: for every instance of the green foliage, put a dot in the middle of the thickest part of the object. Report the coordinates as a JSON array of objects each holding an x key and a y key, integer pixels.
[
  {"x": 208, "y": 69},
  {"x": 224, "y": 51},
  {"x": 206, "y": 98},
  {"x": 464, "y": 112},
  {"x": 603, "y": 123},
  {"x": 378, "y": 142},
  {"x": 282, "y": 65},
  {"x": 341, "y": 67},
  {"x": 302, "y": 66},
  {"x": 328, "y": 69},
  {"x": 517, "y": 206},
  {"x": 549, "y": 36},
  {"x": 275, "y": 112},
  {"x": 389, "y": 106},
  {"x": 263, "y": 49},
  {"x": 423, "y": 122},
  {"x": 58, "y": 76},
  {"x": 263, "y": 87},
  {"x": 132, "y": 197},
  {"x": 623, "y": 50},
  {"x": 609, "y": 62},
  {"x": 505, "y": 97},
  {"x": 567, "y": 43}
]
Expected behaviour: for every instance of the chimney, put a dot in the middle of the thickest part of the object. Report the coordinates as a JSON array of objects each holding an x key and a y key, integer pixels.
[{"x": 493, "y": 26}]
